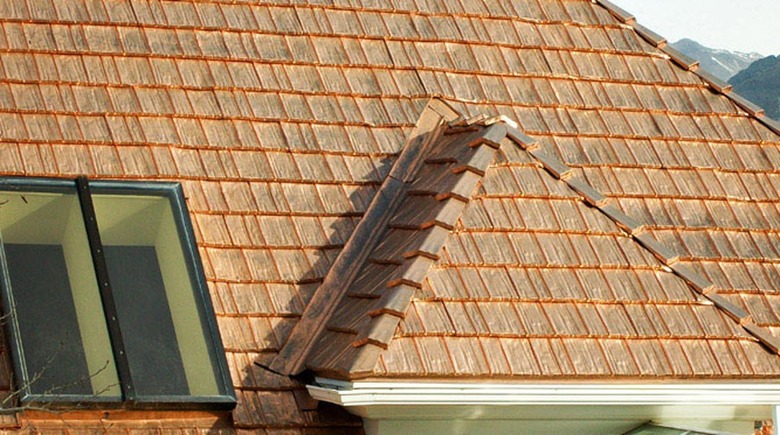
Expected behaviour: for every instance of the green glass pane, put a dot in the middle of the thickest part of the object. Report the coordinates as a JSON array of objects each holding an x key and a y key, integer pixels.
[
  {"x": 57, "y": 312},
  {"x": 162, "y": 320}
]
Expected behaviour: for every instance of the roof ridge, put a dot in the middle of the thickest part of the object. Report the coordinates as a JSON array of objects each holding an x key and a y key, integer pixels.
[
  {"x": 292, "y": 356},
  {"x": 691, "y": 65},
  {"x": 667, "y": 256}
]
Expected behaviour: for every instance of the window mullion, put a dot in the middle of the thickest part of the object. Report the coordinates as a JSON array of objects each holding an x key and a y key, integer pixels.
[{"x": 106, "y": 294}]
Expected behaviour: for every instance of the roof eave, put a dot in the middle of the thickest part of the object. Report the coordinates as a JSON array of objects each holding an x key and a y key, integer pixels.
[{"x": 372, "y": 399}]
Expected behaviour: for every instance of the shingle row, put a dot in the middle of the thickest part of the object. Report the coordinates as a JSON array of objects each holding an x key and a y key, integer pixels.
[{"x": 556, "y": 358}]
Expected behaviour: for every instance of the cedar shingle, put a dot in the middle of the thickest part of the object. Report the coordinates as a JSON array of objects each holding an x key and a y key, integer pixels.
[
  {"x": 434, "y": 356},
  {"x": 527, "y": 249},
  {"x": 467, "y": 355},
  {"x": 534, "y": 319},
  {"x": 565, "y": 362},
  {"x": 650, "y": 357},
  {"x": 501, "y": 286},
  {"x": 501, "y": 318},
  {"x": 433, "y": 317},
  {"x": 459, "y": 316},
  {"x": 446, "y": 283},
  {"x": 522, "y": 357},
  {"x": 565, "y": 319},
  {"x": 344, "y": 106},
  {"x": 678, "y": 360},
  {"x": 616, "y": 320},
  {"x": 587, "y": 356},
  {"x": 402, "y": 357}
]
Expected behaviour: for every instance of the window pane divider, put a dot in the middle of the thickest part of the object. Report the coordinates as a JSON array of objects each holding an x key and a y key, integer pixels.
[{"x": 106, "y": 294}]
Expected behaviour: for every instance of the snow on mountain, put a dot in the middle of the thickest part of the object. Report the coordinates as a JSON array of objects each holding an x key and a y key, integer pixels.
[{"x": 723, "y": 64}]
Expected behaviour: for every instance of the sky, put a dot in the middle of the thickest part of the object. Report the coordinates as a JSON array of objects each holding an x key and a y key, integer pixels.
[{"x": 736, "y": 25}]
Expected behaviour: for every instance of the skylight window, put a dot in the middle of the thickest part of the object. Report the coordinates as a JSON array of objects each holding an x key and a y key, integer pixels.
[{"x": 104, "y": 296}]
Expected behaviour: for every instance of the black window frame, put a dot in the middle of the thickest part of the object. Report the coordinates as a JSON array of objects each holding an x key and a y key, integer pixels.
[{"x": 226, "y": 400}]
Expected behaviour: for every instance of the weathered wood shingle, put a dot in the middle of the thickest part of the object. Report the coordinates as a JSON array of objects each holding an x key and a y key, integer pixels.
[{"x": 282, "y": 122}]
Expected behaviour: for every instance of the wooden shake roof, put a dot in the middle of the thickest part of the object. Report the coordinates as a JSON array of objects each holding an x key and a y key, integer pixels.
[
  {"x": 578, "y": 200},
  {"x": 539, "y": 276}
]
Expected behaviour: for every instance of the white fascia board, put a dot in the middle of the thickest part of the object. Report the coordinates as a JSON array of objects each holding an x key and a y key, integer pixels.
[{"x": 355, "y": 394}]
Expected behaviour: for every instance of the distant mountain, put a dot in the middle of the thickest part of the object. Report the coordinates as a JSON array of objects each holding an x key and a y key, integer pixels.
[
  {"x": 760, "y": 83},
  {"x": 723, "y": 64}
]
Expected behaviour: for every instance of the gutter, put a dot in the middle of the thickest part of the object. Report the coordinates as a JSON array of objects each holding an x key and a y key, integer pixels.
[{"x": 363, "y": 394}]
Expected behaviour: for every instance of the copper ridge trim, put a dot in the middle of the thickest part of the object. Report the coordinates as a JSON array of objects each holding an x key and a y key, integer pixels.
[
  {"x": 693, "y": 66},
  {"x": 679, "y": 58}
]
